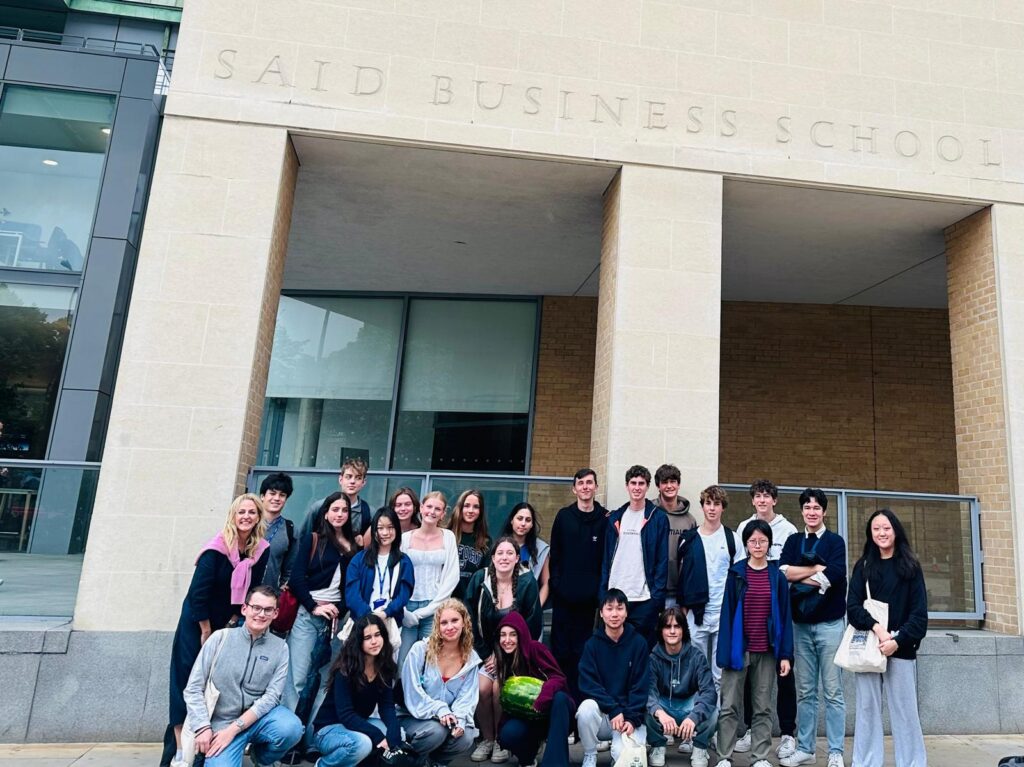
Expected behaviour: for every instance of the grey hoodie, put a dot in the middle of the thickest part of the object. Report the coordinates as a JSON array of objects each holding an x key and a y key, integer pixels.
[
  {"x": 250, "y": 673},
  {"x": 677, "y": 677}
]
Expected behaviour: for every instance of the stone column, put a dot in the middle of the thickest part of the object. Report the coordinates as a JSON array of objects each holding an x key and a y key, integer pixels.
[
  {"x": 658, "y": 328},
  {"x": 187, "y": 404},
  {"x": 988, "y": 382}
]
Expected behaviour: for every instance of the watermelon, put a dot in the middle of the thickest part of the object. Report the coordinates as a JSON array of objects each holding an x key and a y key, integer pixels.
[{"x": 518, "y": 694}]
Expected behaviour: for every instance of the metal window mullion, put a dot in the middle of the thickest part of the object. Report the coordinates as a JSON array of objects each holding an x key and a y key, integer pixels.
[{"x": 397, "y": 384}]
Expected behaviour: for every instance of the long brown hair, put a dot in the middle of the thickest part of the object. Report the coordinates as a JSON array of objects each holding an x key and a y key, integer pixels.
[
  {"x": 493, "y": 574},
  {"x": 482, "y": 538}
]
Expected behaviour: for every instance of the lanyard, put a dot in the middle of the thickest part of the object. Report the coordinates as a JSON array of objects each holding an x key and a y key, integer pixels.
[{"x": 381, "y": 574}]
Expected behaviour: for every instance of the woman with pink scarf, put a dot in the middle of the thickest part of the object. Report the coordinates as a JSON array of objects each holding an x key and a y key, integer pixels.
[{"x": 227, "y": 565}]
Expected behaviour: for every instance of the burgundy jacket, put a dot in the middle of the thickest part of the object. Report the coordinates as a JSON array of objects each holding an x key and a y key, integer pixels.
[{"x": 540, "y": 662}]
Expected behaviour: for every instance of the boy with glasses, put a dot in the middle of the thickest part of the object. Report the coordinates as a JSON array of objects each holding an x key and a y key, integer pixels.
[{"x": 248, "y": 665}]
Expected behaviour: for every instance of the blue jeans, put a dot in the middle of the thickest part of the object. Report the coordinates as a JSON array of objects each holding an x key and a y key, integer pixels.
[
  {"x": 679, "y": 709},
  {"x": 306, "y": 641},
  {"x": 815, "y": 647},
  {"x": 271, "y": 737},
  {"x": 339, "y": 747},
  {"x": 412, "y": 635}
]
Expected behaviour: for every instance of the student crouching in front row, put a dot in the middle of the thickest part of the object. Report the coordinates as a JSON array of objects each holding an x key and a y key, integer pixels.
[
  {"x": 755, "y": 638},
  {"x": 682, "y": 700}
]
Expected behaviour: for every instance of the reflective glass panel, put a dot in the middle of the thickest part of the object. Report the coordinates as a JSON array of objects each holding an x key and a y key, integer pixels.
[
  {"x": 36, "y": 321},
  {"x": 466, "y": 386},
  {"x": 52, "y": 146},
  {"x": 331, "y": 381}
]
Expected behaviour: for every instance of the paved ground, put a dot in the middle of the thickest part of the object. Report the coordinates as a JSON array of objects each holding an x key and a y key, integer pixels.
[{"x": 943, "y": 751}]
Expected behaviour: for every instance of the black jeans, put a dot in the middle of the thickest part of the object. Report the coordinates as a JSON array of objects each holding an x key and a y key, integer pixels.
[
  {"x": 522, "y": 737},
  {"x": 571, "y": 626},
  {"x": 643, "y": 616}
]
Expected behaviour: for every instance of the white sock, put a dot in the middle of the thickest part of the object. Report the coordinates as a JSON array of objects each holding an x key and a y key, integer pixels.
[{"x": 179, "y": 755}]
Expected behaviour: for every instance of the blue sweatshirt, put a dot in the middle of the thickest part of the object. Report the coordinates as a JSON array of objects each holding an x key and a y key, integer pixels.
[
  {"x": 731, "y": 641},
  {"x": 616, "y": 675},
  {"x": 654, "y": 543},
  {"x": 359, "y": 587},
  {"x": 351, "y": 706}
]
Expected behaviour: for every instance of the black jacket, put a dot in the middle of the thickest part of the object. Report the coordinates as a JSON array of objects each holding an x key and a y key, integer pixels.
[
  {"x": 907, "y": 600},
  {"x": 480, "y": 603},
  {"x": 692, "y": 589},
  {"x": 577, "y": 549},
  {"x": 209, "y": 593},
  {"x": 313, "y": 570}
]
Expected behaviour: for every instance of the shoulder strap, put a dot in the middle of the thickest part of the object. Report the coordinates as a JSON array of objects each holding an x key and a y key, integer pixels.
[
  {"x": 289, "y": 527},
  {"x": 220, "y": 646},
  {"x": 730, "y": 542}
]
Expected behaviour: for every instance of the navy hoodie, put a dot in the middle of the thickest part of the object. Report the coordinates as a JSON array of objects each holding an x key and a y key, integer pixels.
[
  {"x": 654, "y": 543},
  {"x": 616, "y": 675}
]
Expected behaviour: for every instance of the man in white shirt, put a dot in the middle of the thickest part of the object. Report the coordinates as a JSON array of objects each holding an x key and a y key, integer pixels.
[
  {"x": 705, "y": 555},
  {"x": 636, "y": 554}
]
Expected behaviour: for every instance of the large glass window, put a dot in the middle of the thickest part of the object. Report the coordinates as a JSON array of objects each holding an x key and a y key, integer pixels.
[
  {"x": 52, "y": 146},
  {"x": 36, "y": 320},
  {"x": 465, "y": 383},
  {"x": 331, "y": 381},
  {"x": 466, "y": 386}
]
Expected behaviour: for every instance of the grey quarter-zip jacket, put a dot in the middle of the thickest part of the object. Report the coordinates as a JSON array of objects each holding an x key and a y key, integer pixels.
[{"x": 250, "y": 673}]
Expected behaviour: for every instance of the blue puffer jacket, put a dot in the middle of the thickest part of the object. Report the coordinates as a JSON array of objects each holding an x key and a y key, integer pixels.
[{"x": 731, "y": 642}]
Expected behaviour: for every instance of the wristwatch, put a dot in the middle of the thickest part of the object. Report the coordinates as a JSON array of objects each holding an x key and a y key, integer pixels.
[{"x": 239, "y": 723}]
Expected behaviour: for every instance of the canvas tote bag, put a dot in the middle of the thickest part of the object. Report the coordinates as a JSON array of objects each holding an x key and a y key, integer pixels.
[
  {"x": 859, "y": 650},
  {"x": 211, "y": 696}
]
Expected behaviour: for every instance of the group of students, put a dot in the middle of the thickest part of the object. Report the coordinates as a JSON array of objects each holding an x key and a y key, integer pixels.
[{"x": 426, "y": 621}]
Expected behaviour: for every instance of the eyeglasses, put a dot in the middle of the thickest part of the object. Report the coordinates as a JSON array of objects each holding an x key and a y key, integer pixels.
[
  {"x": 257, "y": 610},
  {"x": 759, "y": 544}
]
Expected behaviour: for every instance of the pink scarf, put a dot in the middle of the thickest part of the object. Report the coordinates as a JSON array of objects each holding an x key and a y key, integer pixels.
[{"x": 241, "y": 577}]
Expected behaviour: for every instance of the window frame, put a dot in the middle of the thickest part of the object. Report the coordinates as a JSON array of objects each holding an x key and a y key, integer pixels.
[{"x": 407, "y": 298}]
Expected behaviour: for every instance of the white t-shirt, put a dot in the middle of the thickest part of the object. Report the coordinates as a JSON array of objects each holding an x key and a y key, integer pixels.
[
  {"x": 333, "y": 591},
  {"x": 716, "y": 557},
  {"x": 627, "y": 572}
]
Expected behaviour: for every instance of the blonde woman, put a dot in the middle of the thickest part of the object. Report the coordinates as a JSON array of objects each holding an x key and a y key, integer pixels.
[
  {"x": 434, "y": 554},
  {"x": 228, "y": 564},
  {"x": 439, "y": 680},
  {"x": 469, "y": 525}
]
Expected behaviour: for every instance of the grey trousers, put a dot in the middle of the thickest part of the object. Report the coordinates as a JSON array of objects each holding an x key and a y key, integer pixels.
[
  {"x": 430, "y": 738},
  {"x": 761, "y": 667},
  {"x": 900, "y": 684}
]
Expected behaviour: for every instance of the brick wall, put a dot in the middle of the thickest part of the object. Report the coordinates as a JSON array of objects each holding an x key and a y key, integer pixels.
[
  {"x": 981, "y": 438},
  {"x": 256, "y": 395},
  {"x": 871, "y": 385},
  {"x": 565, "y": 385}
]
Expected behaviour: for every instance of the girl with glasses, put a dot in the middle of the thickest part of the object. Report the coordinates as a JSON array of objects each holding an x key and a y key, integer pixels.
[{"x": 755, "y": 638}]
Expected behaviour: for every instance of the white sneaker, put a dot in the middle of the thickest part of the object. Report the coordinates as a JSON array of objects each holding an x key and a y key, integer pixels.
[
  {"x": 743, "y": 744},
  {"x": 761, "y": 763},
  {"x": 590, "y": 759},
  {"x": 179, "y": 763},
  {"x": 483, "y": 750},
  {"x": 787, "y": 747},
  {"x": 686, "y": 747},
  {"x": 797, "y": 758},
  {"x": 603, "y": 745},
  {"x": 499, "y": 754},
  {"x": 724, "y": 763},
  {"x": 699, "y": 758},
  {"x": 657, "y": 758},
  {"x": 835, "y": 759},
  {"x": 572, "y": 739}
]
